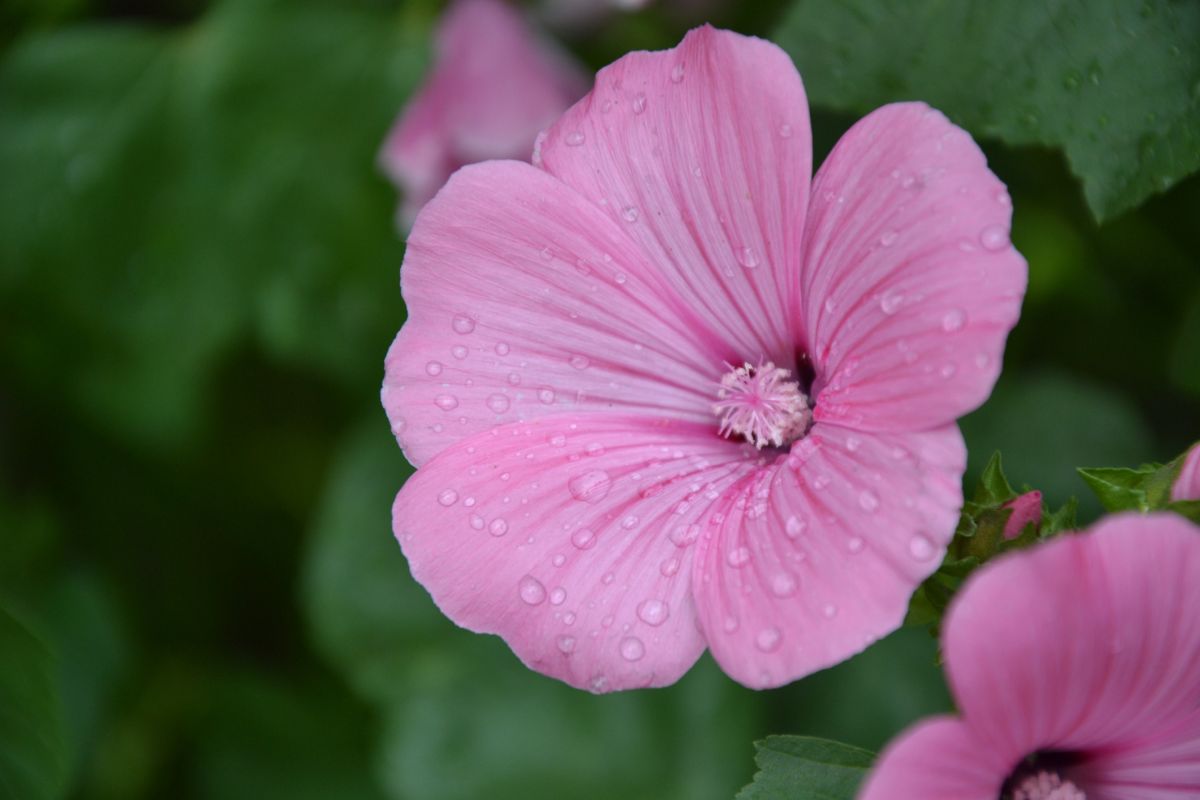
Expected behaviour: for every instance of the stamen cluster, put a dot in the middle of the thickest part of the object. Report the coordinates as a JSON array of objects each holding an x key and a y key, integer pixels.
[{"x": 762, "y": 404}]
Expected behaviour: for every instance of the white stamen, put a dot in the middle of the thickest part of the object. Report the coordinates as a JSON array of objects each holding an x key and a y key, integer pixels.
[
  {"x": 762, "y": 404},
  {"x": 1047, "y": 786}
]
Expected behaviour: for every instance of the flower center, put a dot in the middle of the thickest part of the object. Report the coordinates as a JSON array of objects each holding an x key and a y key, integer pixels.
[
  {"x": 763, "y": 404},
  {"x": 1046, "y": 786}
]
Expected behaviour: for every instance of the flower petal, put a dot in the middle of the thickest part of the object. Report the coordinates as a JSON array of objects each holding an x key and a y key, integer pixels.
[
  {"x": 525, "y": 300},
  {"x": 936, "y": 759},
  {"x": 569, "y": 537},
  {"x": 703, "y": 155},
  {"x": 816, "y": 556},
  {"x": 910, "y": 285},
  {"x": 1085, "y": 643},
  {"x": 1187, "y": 483},
  {"x": 494, "y": 86},
  {"x": 1166, "y": 767}
]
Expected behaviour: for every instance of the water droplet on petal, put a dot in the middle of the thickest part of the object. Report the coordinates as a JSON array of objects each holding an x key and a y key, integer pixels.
[
  {"x": 580, "y": 362},
  {"x": 629, "y": 214},
  {"x": 920, "y": 548},
  {"x": 499, "y": 527},
  {"x": 557, "y": 440},
  {"x": 558, "y": 596},
  {"x": 448, "y": 497},
  {"x": 576, "y": 138},
  {"x": 531, "y": 590},
  {"x": 502, "y": 349},
  {"x": 477, "y": 522},
  {"x": 982, "y": 360},
  {"x": 669, "y": 567},
  {"x": 498, "y": 403},
  {"x": 994, "y": 237},
  {"x": 948, "y": 369},
  {"x": 954, "y": 320},
  {"x": 768, "y": 639},
  {"x": 1003, "y": 199},
  {"x": 730, "y": 625},
  {"x": 747, "y": 258},
  {"x": 583, "y": 538},
  {"x": 794, "y": 527},
  {"x": 737, "y": 556},
  {"x": 684, "y": 535},
  {"x": 830, "y": 611},
  {"x": 653, "y": 612},
  {"x": 783, "y": 585},
  {"x": 889, "y": 238},
  {"x": 546, "y": 395},
  {"x": 463, "y": 324},
  {"x": 632, "y": 648},
  {"x": 566, "y": 644},
  {"x": 629, "y": 522},
  {"x": 785, "y": 130},
  {"x": 868, "y": 501},
  {"x": 433, "y": 368},
  {"x": 677, "y": 73},
  {"x": 639, "y": 102},
  {"x": 591, "y": 486},
  {"x": 891, "y": 302},
  {"x": 460, "y": 352},
  {"x": 855, "y": 544},
  {"x": 446, "y": 402}
]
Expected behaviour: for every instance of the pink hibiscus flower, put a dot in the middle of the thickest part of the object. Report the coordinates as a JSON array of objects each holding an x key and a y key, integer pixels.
[
  {"x": 1076, "y": 665},
  {"x": 1187, "y": 483},
  {"x": 665, "y": 394},
  {"x": 493, "y": 87}
]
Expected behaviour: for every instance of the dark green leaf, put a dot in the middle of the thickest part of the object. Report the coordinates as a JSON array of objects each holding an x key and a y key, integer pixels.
[
  {"x": 32, "y": 743},
  {"x": 802, "y": 768},
  {"x": 1186, "y": 508},
  {"x": 1114, "y": 84},
  {"x": 1120, "y": 488},
  {"x": 993, "y": 486}
]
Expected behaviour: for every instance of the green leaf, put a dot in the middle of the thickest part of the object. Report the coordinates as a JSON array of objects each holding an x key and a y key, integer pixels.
[
  {"x": 993, "y": 486},
  {"x": 803, "y": 768},
  {"x": 1186, "y": 508},
  {"x": 1121, "y": 488},
  {"x": 170, "y": 195},
  {"x": 32, "y": 743},
  {"x": 1114, "y": 84}
]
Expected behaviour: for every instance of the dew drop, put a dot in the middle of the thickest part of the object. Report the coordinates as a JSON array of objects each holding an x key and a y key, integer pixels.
[
  {"x": 446, "y": 402},
  {"x": 591, "y": 486},
  {"x": 499, "y": 527},
  {"x": 1003, "y": 199},
  {"x": 498, "y": 403},
  {"x": 920, "y": 548},
  {"x": 477, "y": 522},
  {"x": 580, "y": 362},
  {"x": 669, "y": 567},
  {"x": 785, "y": 130},
  {"x": 558, "y": 596},
  {"x": 502, "y": 349},
  {"x": 948, "y": 369},
  {"x": 531, "y": 590},
  {"x": 868, "y": 501},
  {"x": 433, "y": 368},
  {"x": 632, "y": 648},
  {"x": 546, "y": 395},
  {"x": 459, "y": 351},
  {"x": 982, "y": 360},
  {"x": 594, "y": 449},
  {"x": 653, "y": 612},
  {"x": 583, "y": 538},
  {"x": 737, "y": 557},
  {"x": 559, "y": 560},
  {"x": 639, "y": 102},
  {"x": 783, "y": 585},
  {"x": 954, "y": 320},
  {"x": 629, "y": 214},
  {"x": 629, "y": 522},
  {"x": 768, "y": 639},
  {"x": 576, "y": 138},
  {"x": 994, "y": 238},
  {"x": 747, "y": 258},
  {"x": 557, "y": 440},
  {"x": 794, "y": 527},
  {"x": 448, "y": 497},
  {"x": 677, "y": 73},
  {"x": 463, "y": 324},
  {"x": 855, "y": 544},
  {"x": 566, "y": 644},
  {"x": 890, "y": 302},
  {"x": 830, "y": 611},
  {"x": 889, "y": 238},
  {"x": 684, "y": 535},
  {"x": 514, "y": 379}
]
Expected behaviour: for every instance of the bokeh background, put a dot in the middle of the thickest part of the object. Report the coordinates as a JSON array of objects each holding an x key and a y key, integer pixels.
[{"x": 198, "y": 283}]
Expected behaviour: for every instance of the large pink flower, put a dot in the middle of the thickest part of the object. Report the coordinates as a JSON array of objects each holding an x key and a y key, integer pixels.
[
  {"x": 1077, "y": 669},
  {"x": 1187, "y": 483},
  {"x": 493, "y": 87},
  {"x": 581, "y": 334}
]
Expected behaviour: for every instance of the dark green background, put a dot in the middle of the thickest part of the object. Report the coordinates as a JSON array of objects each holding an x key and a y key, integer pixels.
[{"x": 198, "y": 282}]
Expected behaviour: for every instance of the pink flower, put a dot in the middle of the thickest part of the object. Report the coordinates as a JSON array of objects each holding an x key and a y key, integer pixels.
[
  {"x": 1026, "y": 510},
  {"x": 494, "y": 86},
  {"x": 1187, "y": 483},
  {"x": 582, "y": 333},
  {"x": 1076, "y": 665}
]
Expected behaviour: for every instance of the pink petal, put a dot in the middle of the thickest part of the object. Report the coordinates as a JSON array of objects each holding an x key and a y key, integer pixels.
[
  {"x": 1166, "y": 767},
  {"x": 937, "y": 759},
  {"x": 493, "y": 87},
  {"x": 815, "y": 557},
  {"x": 569, "y": 537},
  {"x": 525, "y": 300},
  {"x": 1086, "y": 643},
  {"x": 1026, "y": 510},
  {"x": 909, "y": 282},
  {"x": 702, "y": 154},
  {"x": 1187, "y": 484}
]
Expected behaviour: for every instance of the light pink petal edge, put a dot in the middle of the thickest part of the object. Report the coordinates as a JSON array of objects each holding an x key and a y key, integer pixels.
[
  {"x": 937, "y": 759},
  {"x": 1187, "y": 483}
]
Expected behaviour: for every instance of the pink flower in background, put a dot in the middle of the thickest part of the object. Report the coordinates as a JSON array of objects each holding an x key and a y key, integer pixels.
[
  {"x": 494, "y": 85},
  {"x": 1026, "y": 510},
  {"x": 665, "y": 392},
  {"x": 1076, "y": 666},
  {"x": 1187, "y": 484}
]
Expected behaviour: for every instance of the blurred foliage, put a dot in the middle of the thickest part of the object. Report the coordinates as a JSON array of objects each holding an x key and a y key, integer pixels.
[
  {"x": 31, "y": 727},
  {"x": 1113, "y": 83},
  {"x": 803, "y": 768},
  {"x": 198, "y": 282}
]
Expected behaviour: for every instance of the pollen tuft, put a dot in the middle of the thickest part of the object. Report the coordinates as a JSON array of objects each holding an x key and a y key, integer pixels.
[
  {"x": 1047, "y": 786},
  {"x": 762, "y": 403}
]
